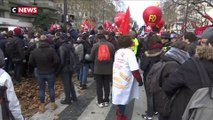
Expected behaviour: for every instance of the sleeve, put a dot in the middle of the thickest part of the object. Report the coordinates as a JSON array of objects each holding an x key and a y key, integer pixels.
[
  {"x": 14, "y": 105},
  {"x": 92, "y": 54},
  {"x": 176, "y": 80},
  {"x": 167, "y": 71},
  {"x": 133, "y": 64}
]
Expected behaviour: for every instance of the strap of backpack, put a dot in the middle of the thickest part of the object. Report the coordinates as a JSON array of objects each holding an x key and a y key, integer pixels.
[{"x": 206, "y": 82}]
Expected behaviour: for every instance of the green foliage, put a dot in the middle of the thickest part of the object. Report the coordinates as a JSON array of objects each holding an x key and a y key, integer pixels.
[{"x": 43, "y": 19}]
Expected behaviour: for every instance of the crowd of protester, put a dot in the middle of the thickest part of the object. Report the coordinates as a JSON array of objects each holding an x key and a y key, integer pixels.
[{"x": 127, "y": 60}]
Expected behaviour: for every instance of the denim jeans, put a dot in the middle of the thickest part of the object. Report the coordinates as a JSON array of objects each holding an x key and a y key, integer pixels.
[
  {"x": 69, "y": 89},
  {"x": 91, "y": 65},
  {"x": 83, "y": 74},
  {"x": 50, "y": 78}
]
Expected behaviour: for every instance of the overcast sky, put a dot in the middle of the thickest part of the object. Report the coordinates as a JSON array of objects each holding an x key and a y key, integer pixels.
[{"x": 137, "y": 7}]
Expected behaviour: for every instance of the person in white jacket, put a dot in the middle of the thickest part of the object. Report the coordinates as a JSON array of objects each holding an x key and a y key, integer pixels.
[{"x": 5, "y": 80}]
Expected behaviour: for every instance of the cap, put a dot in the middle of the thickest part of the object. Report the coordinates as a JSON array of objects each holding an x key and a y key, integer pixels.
[
  {"x": 165, "y": 36},
  {"x": 207, "y": 33}
]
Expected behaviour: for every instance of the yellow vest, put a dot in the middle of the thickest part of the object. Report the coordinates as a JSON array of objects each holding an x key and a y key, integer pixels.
[{"x": 135, "y": 47}]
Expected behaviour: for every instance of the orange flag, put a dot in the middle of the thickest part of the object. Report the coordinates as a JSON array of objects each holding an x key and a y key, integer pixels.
[{"x": 125, "y": 27}]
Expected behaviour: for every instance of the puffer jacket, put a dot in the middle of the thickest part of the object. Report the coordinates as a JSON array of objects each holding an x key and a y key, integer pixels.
[{"x": 44, "y": 58}]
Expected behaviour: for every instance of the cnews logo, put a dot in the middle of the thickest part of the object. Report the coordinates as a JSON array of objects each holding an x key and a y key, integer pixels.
[{"x": 25, "y": 10}]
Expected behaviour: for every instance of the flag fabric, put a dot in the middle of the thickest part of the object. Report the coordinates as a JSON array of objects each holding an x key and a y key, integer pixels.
[
  {"x": 125, "y": 24},
  {"x": 199, "y": 30},
  {"x": 193, "y": 24},
  {"x": 85, "y": 25},
  {"x": 93, "y": 24},
  {"x": 208, "y": 17}
]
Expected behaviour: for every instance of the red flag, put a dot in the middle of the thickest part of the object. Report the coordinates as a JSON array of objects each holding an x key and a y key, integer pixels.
[
  {"x": 93, "y": 24},
  {"x": 208, "y": 17},
  {"x": 125, "y": 27},
  {"x": 199, "y": 30},
  {"x": 52, "y": 28},
  {"x": 193, "y": 24}
]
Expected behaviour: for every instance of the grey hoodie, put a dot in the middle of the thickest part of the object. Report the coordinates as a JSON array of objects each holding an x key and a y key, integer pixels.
[{"x": 177, "y": 54}]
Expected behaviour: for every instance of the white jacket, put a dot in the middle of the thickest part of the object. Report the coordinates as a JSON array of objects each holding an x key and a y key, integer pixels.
[{"x": 14, "y": 106}]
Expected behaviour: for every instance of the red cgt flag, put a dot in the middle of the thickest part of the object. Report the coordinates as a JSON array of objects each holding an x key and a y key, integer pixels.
[
  {"x": 208, "y": 17},
  {"x": 125, "y": 27}
]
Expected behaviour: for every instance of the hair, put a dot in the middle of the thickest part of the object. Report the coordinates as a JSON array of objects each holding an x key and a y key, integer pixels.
[
  {"x": 180, "y": 45},
  {"x": 210, "y": 40},
  {"x": 92, "y": 32},
  {"x": 85, "y": 35},
  {"x": 106, "y": 33},
  {"x": 190, "y": 36},
  {"x": 100, "y": 36},
  {"x": 10, "y": 33},
  {"x": 125, "y": 41},
  {"x": 153, "y": 40}
]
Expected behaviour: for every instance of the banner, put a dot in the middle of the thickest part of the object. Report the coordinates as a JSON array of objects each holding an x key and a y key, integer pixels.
[{"x": 199, "y": 30}]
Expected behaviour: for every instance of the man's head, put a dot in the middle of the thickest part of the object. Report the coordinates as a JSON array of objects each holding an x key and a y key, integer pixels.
[
  {"x": 43, "y": 38},
  {"x": 206, "y": 35},
  {"x": 189, "y": 37},
  {"x": 100, "y": 36},
  {"x": 165, "y": 37},
  {"x": 100, "y": 29},
  {"x": 17, "y": 31}
]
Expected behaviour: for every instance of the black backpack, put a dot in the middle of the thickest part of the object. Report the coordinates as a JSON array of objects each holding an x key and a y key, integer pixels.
[
  {"x": 11, "y": 47},
  {"x": 73, "y": 59},
  {"x": 153, "y": 86}
]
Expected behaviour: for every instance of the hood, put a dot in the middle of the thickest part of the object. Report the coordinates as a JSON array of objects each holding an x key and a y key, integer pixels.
[
  {"x": 153, "y": 53},
  {"x": 177, "y": 54},
  {"x": 43, "y": 44},
  {"x": 204, "y": 52}
]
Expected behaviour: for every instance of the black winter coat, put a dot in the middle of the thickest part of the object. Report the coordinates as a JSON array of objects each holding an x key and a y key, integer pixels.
[
  {"x": 44, "y": 58},
  {"x": 187, "y": 80},
  {"x": 64, "y": 55},
  {"x": 148, "y": 59}
]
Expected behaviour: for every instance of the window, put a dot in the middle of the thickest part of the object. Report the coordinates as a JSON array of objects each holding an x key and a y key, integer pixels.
[
  {"x": 1, "y": 2},
  {"x": 1, "y": 13}
]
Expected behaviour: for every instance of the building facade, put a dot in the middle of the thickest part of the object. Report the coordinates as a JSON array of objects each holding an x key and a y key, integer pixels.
[
  {"x": 97, "y": 10},
  {"x": 9, "y": 19}
]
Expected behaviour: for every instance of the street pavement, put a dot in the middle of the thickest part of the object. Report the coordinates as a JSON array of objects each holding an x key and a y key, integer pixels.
[{"x": 86, "y": 109}]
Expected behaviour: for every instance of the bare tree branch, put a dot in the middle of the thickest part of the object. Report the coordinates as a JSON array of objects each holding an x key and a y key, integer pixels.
[
  {"x": 178, "y": 3},
  {"x": 203, "y": 1}
]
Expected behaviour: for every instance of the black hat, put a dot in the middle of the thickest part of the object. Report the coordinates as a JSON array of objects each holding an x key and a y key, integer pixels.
[{"x": 165, "y": 36}]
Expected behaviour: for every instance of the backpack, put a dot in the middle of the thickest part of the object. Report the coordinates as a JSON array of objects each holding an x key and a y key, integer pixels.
[
  {"x": 79, "y": 50},
  {"x": 153, "y": 87},
  {"x": 103, "y": 53},
  {"x": 153, "y": 76},
  {"x": 11, "y": 47},
  {"x": 73, "y": 60},
  {"x": 200, "y": 106}
]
